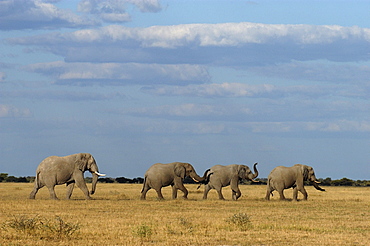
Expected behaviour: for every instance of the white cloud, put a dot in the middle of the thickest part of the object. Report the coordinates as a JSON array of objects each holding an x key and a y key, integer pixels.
[
  {"x": 121, "y": 74},
  {"x": 228, "y": 44},
  {"x": 36, "y": 14},
  {"x": 190, "y": 110},
  {"x": 309, "y": 126},
  {"x": 7, "y": 111},
  {"x": 239, "y": 90},
  {"x": 115, "y": 10},
  {"x": 316, "y": 71},
  {"x": 171, "y": 127}
]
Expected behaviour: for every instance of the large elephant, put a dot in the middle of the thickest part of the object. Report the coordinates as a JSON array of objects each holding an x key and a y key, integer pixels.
[
  {"x": 294, "y": 177},
  {"x": 161, "y": 175},
  {"x": 56, "y": 170},
  {"x": 229, "y": 175}
]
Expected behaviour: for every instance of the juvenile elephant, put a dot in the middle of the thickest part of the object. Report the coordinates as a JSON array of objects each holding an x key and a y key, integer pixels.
[
  {"x": 55, "y": 170},
  {"x": 161, "y": 175},
  {"x": 229, "y": 175},
  {"x": 294, "y": 177}
]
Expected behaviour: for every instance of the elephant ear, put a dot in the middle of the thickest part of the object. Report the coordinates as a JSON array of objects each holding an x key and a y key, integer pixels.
[
  {"x": 180, "y": 170},
  {"x": 305, "y": 172},
  {"x": 81, "y": 161},
  {"x": 242, "y": 171}
]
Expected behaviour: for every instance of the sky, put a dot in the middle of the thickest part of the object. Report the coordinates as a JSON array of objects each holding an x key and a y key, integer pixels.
[{"x": 206, "y": 82}]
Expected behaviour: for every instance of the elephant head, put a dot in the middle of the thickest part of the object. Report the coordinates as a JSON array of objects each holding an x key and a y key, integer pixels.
[
  {"x": 187, "y": 170},
  {"x": 245, "y": 173},
  {"x": 309, "y": 175},
  {"x": 86, "y": 162}
]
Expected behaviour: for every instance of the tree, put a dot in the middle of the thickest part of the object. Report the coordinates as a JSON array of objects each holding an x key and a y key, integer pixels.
[
  {"x": 343, "y": 182},
  {"x": 3, "y": 176}
]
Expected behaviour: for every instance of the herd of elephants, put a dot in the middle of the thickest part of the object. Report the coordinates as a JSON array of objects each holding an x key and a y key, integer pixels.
[{"x": 69, "y": 170}]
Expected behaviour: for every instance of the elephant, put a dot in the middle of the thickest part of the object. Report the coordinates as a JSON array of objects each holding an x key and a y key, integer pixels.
[
  {"x": 161, "y": 175},
  {"x": 229, "y": 175},
  {"x": 56, "y": 170},
  {"x": 294, "y": 177}
]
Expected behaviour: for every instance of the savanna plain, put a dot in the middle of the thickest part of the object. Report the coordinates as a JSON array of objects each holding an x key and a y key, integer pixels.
[{"x": 117, "y": 216}]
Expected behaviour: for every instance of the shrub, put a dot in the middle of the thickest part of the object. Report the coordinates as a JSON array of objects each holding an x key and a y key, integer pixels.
[
  {"x": 144, "y": 232},
  {"x": 240, "y": 220},
  {"x": 41, "y": 227}
]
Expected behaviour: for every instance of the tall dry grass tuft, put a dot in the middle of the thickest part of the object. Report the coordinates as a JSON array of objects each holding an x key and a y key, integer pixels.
[{"x": 117, "y": 216}]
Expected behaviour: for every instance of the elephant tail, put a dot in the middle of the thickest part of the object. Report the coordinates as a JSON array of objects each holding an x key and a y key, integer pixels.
[
  {"x": 207, "y": 175},
  {"x": 144, "y": 183},
  {"x": 37, "y": 180},
  {"x": 269, "y": 185}
]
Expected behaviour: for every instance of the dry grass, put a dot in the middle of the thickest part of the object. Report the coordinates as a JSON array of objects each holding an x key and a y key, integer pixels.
[{"x": 339, "y": 216}]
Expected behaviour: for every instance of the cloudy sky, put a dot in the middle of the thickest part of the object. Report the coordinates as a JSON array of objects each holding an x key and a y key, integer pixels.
[{"x": 135, "y": 82}]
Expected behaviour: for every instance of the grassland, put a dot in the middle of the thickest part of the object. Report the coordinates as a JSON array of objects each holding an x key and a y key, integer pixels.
[{"x": 116, "y": 216}]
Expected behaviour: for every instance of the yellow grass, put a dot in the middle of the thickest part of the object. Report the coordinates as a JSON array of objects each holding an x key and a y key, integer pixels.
[{"x": 339, "y": 216}]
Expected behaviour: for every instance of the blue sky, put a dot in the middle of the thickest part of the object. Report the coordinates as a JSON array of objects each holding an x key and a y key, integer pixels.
[{"x": 205, "y": 82}]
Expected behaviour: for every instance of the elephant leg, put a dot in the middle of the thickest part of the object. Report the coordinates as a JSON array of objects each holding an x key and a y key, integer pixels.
[
  {"x": 184, "y": 190},
  {"x": 159, "y": 193},
  {"x": 144, "y": 191},
  {"x": 70, "y": 187},
  {"x": 236, "y": 194},
  {"x": 34, "y": 191},
  {"x": 295, "y": 194},
  {"x": 174, "y": 192},
  {"x": 207, "y": 188},
  {"x": 219, "y": 191},
  {"x": 304, "y": 192},
  {"x": 268, "y": 193},
  {"x": 281, "y": 193},
  {"x": 82, "y": 185},
  {"x": 52, "y": 192}
]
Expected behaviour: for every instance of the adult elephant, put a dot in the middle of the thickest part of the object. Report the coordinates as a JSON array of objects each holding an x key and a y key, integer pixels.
[
  {"x": 56, "y": 170},
  {"x": 161, "y": 175},
  {"x": 294, "y": 177},
  {"x": 229, "y": 175}
]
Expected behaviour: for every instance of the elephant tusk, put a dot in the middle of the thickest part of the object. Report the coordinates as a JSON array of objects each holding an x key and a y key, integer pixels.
[
  {"x": 256, "y": 181},
  {"x": 99, "y": 174},
  {"x": 195, "y": 180},
  {"x": 317, "y": 182}
]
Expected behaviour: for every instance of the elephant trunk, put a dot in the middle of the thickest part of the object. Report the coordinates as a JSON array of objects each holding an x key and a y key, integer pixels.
[
  {"x": 95, "y": 177},
  {"x": 255, "y": 171},
  {"x": 315, "y": 184},
  {"x": 197, "y": 178}
]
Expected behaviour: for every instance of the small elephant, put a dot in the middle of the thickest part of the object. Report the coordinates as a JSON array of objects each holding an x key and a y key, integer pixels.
[
  {"x": 229, "y": 175},
  {"x": 55, "y": 170},
  {"x": 282, "y": 178},
  {"x": 161, "y": 175}
]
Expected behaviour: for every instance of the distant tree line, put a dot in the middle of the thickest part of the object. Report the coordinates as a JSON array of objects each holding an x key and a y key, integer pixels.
[
  {"x": 4, "y": 177},
  {"x": 327, "y": 182}
]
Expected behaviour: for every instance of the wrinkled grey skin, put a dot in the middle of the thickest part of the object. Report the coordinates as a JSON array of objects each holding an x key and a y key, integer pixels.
[
  {"x": 161, "y": 175},
  {"x": 282, "y": 178},
  {"x": 55, "y": 170},
  {"x": 229, "y": 175}
]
